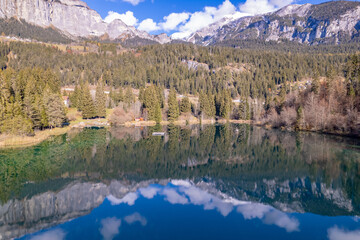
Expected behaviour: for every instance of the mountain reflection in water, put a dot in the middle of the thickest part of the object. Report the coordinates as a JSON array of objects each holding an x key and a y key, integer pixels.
[{"x": 233, "y": 180}]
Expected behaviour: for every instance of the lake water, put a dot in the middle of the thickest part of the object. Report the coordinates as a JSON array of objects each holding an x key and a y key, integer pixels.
[{"x": 209, "y": 182}]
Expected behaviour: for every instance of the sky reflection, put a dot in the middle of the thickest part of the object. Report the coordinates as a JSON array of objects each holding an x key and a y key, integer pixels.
[
  {"x": 184, "y": 192},
  {"x": 183, "y": 209}
]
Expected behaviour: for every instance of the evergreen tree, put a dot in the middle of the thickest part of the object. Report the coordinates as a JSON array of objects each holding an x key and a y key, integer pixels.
[
  {"x": 151, "y": 103},
  {"x": 157, "y": 113},
  {"x": 54, "y": 108},
  {"x": 117, "y": 96},
  {"x": 75, "y": 98},
  {"x": 100, "y": 100},
  {"x": 173, "y": 105},
  {"x": 185, "y": 105},
  {"x": 15, "y": 122},
  {"x": 207, "y": 104},
  {"x": 299, "y": 117},
  {"x": 248, "y": 112},
  {"x": 32, "y": 103},
  {"x": 224, "y": 104},
  {"x": 315, "y": 85},
  {"x": 242, "y": 110},
  {"x": 129, "y": 96},
  {"x": 88, "y": 107}
]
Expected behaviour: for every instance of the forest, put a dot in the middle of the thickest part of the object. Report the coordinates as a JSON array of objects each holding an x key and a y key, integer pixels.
[{"x": 302, "y": 87}]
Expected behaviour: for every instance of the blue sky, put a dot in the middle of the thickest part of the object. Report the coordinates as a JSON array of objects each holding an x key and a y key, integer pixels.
[{"x": 181, "y": 17}]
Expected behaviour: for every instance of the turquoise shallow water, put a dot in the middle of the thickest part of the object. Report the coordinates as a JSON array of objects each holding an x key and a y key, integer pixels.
[{"x": 210, "y": 182}]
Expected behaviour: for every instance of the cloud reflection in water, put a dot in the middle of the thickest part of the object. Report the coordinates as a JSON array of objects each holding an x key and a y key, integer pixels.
[
  {"x": 110, "y": 228},
  {"x": 336, "y": 233},
  {"x": 57, "y": 234},
  {"x": 185, "y": 192}
]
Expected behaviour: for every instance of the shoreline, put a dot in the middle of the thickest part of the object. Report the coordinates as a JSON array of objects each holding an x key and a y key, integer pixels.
[{"x": 12, "y": 141}]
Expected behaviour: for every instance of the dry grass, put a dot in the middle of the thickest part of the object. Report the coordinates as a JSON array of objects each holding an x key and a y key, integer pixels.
[{"x": 8, "y": 141}]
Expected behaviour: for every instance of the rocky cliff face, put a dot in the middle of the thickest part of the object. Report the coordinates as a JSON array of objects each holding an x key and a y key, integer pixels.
[
  {"x": 331, "y": 22},
  {"x": 72, "y": 17}
]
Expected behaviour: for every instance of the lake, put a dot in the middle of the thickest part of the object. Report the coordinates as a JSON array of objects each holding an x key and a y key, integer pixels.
[{"x": 198, "y": 182}]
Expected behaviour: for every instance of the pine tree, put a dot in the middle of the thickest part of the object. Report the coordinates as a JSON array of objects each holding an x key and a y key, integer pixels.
[
  {"x": 54, "y": 108},
  {"x": 151, "y": 102},
  {"x": 299, "y": 117},
  {"x": 75, "y": 98},
  {"x": 4, "y": 97},
  {"x": 315, "y": 85},
  {"x": 242, "y": 110},
  {"x": 248, "y": 112},
  {"x": 32, "y": 103},
  {"x": 88, "y": 107},
  {"x": 173, "y": 105},
  {"x": 207, "y": 104},
  {"x": 224, "y": 102},
  {"x": 15, "y": 122},
  {"x": 129, "y": 96},
  {"x": 157, "y": 113},
  {"x": 141, "y": 94},
  {"x": 185, "y": 105},
  {"x": 100, "y": 100}
]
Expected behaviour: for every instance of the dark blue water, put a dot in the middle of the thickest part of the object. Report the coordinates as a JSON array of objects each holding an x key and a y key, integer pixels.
[
  {"x": 223, "y": 182},
  {"x": 183, "y": 210}
]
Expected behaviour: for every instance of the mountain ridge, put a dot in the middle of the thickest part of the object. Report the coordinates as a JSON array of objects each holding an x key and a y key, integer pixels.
[
  {"x": 73, "y": 18},
  {"x": 329, "y": 22},
  {"x": 333, "y": 22}
]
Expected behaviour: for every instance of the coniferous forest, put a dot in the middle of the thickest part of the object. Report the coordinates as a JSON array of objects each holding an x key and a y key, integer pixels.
[{"x": 289, "y": 85}]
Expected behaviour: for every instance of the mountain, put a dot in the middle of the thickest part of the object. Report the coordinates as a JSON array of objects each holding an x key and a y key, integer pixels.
[
  {"x": 72, "y": 18},
  {"x": 61, "y": 20},
  {"x": 331, "y": 22}
]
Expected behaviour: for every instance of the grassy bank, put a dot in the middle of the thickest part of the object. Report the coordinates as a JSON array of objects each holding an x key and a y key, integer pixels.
[{"x": 10, "y": 141}]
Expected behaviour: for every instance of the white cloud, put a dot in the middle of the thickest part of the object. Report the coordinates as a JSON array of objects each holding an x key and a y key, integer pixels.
[
  {"x": 263, "y": 6},
  {"x": 109, "y": 228},
  {"x": 136, "y": 217},
  {"x": 56, "y": 234},
  {"x": 128, "y": 18},
  {"x": 149, "y": 192},
  {"x": 282, "y": 220},
  {"x": 336, "y": 233},
  {"x": 173, "y": 197},
  {"x": 209, "y": 15},
  {"x": 269, "y": 216},
  {"x": 173, "y": 20},
  {"x": 133, "y": 2},
  {"x": 251, "y": 211},
  {"x": 148, "y": 25},
  {"x": 129, "y": 199}
]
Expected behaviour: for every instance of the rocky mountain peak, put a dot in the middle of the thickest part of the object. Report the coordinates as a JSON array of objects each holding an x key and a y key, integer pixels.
[
  {"x": 77, "y": 3},
  {"x": 331, "y": 22},
  {"x": 74, "y": 18},
  {"x": 295, "y": 9}
]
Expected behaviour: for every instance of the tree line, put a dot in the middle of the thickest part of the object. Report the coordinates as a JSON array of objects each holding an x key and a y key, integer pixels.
[
  {"x": 245, "y": 72},
  {"x": 30, "y": 99}
]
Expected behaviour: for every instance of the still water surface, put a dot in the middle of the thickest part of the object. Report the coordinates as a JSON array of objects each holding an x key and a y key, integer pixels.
[{"x": 210, "y": 182}]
